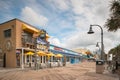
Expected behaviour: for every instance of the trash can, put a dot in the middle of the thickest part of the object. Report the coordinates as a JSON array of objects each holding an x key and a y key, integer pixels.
[{"x": 100, "y": 66}]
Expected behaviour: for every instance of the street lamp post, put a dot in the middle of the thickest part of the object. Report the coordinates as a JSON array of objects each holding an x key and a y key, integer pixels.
[{"x": 102, "y": 47}]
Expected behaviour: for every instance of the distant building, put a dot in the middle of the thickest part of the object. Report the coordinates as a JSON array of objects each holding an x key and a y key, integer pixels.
[
  {"x": 71, "y": 56},
  {"x": 109, "y": 57},
  {"x": 82, "y": 51}
]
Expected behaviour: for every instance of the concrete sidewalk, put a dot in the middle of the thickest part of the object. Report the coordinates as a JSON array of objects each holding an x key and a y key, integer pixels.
[{"x": 82, "y": 71}]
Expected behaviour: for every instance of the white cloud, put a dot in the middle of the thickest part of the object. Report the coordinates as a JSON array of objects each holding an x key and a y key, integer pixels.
[
  {"x": 5, "y": 5},
  {"x": 60, "y": 4},
  {"x": 91, "y": 11},
  {"x": 81, "y": 23},
  {"x": 67, "y": 13},
  {"x": 88, "y": 12},
  {"x": 84, "y": 13},
  {"x": 55, "y": 41},
  {"x": 29, "y": 15},
  {"x": 80, "y": 39},
  {"x": 84, "y": 40},
  {"x": 78, "y": 6}
]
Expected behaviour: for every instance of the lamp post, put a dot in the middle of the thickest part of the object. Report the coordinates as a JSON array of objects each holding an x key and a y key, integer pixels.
[{"x": 102, "y": 47}]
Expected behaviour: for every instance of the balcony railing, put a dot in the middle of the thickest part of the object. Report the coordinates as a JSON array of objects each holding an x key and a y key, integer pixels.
[{"x": 28, "y": 42}]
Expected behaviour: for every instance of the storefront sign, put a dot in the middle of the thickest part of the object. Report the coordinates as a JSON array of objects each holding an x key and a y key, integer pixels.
[
  {"x": 58, "y": 49},
  {"x": 40, "y": 41}
]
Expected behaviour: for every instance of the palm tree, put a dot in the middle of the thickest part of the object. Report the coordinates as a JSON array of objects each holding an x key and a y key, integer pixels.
[
  {"x": 113, "y": 23},
  {"x": 115, "y": 51},
  {"x": 112, "y": 51}
]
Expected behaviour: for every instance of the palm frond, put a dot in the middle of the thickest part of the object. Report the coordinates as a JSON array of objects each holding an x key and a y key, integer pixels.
[{"x": 113, "y": 23}]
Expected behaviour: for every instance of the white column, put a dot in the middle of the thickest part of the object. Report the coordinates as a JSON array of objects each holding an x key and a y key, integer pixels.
[
  {"x": 51, "y": 58},
  {"x": 45, "y": 59},
  {"x": 22, "y": 63},
  {"x": 25, "y": 59},
  {"x": 29, "y": 59}
]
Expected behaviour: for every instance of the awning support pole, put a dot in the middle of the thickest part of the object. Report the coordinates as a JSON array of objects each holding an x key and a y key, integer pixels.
[{"x": 22, "y": 65}]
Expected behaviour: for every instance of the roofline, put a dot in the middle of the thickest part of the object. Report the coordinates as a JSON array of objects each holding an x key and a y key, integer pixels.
[
  {"x": 57, "y": 46},
  {"x": 8, "y": 21},
  {"x": 64, "y": 53},
  {"x": 20, "y": 21}
]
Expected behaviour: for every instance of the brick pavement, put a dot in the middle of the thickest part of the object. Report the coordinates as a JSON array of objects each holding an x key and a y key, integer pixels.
[{"x": 82, "y": 71}]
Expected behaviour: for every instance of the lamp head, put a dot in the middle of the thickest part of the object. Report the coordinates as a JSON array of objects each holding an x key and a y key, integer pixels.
[
  {"x": 90, "y": 30},
  {"x": 97, "y": 45}
]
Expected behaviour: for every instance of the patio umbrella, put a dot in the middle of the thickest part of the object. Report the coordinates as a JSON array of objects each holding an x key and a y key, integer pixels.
[
  {"x": 59, "y": 55},
  {"x": 29, "y": 53},
  {"x": 41, "y": 53},
  {"x": 50, "y": 54}
]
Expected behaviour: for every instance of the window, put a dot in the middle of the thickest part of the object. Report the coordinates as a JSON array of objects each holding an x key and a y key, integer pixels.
[
  {"x": 27, "y": 37},
  {"x": 7, "y": 33}
]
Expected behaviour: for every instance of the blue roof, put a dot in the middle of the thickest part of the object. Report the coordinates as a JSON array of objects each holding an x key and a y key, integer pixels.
[{"x": 64, "y": 53}]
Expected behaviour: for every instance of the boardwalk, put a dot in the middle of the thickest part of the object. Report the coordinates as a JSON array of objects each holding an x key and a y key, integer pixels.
[{"x": 83, "y": 71}]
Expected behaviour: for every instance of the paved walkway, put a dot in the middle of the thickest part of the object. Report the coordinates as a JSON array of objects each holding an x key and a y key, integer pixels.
[{"x": 82, "y": 71}]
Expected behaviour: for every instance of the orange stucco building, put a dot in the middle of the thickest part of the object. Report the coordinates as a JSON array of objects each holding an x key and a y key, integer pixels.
[{"x": 16, "y": 35}]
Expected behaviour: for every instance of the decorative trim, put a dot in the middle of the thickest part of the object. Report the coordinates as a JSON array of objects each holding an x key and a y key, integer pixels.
[{"x": 8, "y": 45}]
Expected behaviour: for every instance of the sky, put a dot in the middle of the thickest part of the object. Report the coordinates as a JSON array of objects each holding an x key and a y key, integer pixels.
[{"x": 66, "y": 21}]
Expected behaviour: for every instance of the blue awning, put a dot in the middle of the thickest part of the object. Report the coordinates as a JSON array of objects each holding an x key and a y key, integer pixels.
[{"x": 63, "y": 53}]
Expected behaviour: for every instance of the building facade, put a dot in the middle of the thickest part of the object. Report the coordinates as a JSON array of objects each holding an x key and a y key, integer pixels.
[
  {"x": 17, "y": 40},
  {"x": 23, "y": 45},
  {"x": 70, "y": 56}
]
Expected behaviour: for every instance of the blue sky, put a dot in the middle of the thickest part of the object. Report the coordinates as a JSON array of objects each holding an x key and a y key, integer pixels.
[{"x": 66, "y": 21}]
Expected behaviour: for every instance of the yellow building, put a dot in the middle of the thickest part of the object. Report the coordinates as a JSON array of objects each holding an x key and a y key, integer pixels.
[{"x": 17, "y": 43}]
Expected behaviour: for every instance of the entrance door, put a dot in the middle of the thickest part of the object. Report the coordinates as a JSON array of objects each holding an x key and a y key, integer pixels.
[
  {"x": 4, "y": 60},
  {"x": 18, "y": 60}
]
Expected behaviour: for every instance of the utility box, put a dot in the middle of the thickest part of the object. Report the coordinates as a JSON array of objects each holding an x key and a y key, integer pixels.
[{"x": 100, "y": 66}]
